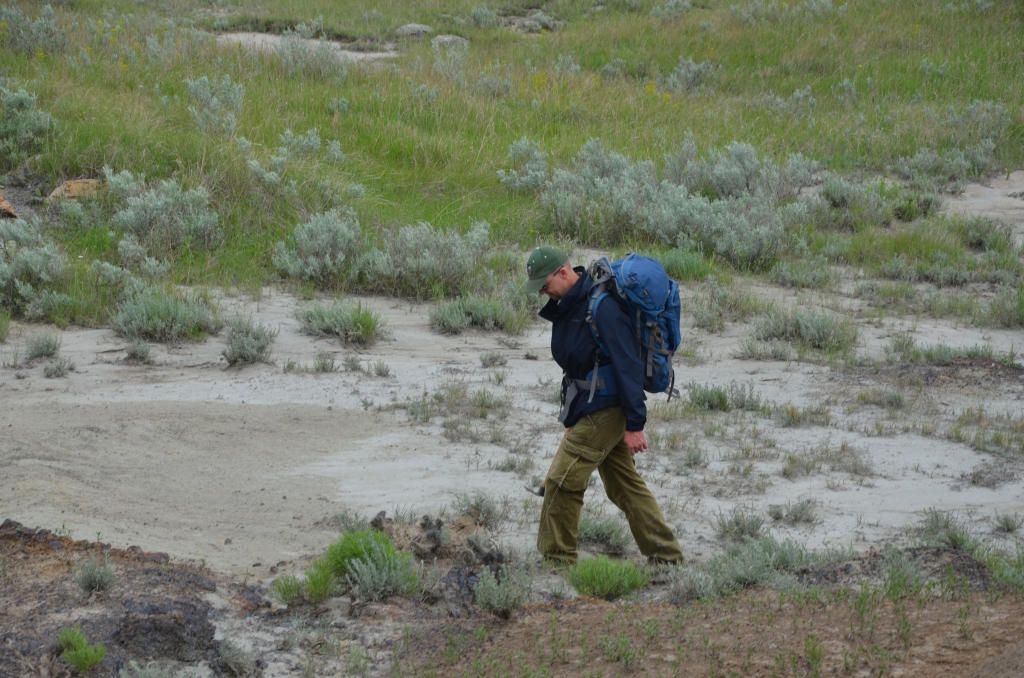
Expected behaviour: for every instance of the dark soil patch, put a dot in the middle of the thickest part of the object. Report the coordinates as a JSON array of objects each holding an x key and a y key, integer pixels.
[{"x": 155, "y": 611}]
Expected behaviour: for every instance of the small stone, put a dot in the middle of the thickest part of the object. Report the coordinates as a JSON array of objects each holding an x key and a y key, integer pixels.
[
  {"x": 74, "y": 189},
  {"x": 413, "y": 31},
  {"x": 227, "y": 541}
]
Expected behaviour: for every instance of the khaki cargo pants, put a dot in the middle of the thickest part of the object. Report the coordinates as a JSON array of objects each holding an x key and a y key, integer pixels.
[{"x": 596, "y": 442}]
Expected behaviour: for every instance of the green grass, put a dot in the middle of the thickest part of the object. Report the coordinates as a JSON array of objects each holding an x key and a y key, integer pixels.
[
  {"x": 602, "y": 577},
  {"x": 5, "y": 326},
  {"x": 352, "y": 324},
  {"x": 434, "y": 159},
  {"x": 75, "y": 649},
  {"x": 353, "y": 545}
]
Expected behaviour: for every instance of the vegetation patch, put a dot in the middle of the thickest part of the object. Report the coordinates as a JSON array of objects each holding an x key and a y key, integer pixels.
[
  {"x": 602, "y": 577},
  {"x": 352, "y": 324}
]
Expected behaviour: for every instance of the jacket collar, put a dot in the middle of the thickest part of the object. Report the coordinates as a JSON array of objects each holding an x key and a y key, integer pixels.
[{"x": 579, "y": 292}]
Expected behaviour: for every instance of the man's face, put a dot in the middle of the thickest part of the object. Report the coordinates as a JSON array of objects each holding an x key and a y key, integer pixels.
[{"x": 557, "y": 284}]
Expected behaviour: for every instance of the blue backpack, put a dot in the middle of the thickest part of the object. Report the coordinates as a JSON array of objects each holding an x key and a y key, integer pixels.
[{"x": 653, "y": 299}]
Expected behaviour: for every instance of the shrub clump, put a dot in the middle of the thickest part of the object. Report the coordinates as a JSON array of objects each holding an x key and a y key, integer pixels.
[
  {"x": 815, "y": 329},
  {"x": 325, "y": 246},
  {"x": 511, "y": 311},
  {"x": 32, "y": 269},
  {"x": 381, "y": 571},
  {"x": 302, "y": 57},
  {"x": 503, "y": 593},
  {"x": 248, "y": 341},
  {"x": 217, "y": 104},
  {"x": 352, "y": 324},
  {"x": 32, "y": 36},
  {"x": 23, "y": 127},
  {"x": 152, "y": 313},
  {"x": 730, "y": 203},
  {"x": 606, "y": 531},
  {"x": 488, "y": 512},
  {"x": 353, "y": 545},
  {"x": 164, "y": 218},
  {"x": 529, "y": 167},
  {"x": 43, "y": 345},
  {"x": 93, "y": 576},
  {"x": 602, "y": 577}
]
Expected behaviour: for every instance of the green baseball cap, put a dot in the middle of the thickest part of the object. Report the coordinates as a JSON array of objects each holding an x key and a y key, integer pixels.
[{"x": 543, "y": 262}]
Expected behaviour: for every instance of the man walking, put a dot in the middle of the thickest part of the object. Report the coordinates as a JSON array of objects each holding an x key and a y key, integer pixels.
[{"x": 604, "y": 418}]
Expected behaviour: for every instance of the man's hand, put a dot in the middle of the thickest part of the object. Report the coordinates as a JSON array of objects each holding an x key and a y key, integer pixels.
[{"x": 636, "y": 441}]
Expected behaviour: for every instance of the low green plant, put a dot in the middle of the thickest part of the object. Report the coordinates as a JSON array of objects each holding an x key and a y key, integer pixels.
[
  {"x": 815, "y": 329},
  {"x": 510, "y": 312},
  {"x": 324, "y": 362},
  {"x": 237, "y": 659},
  {"x": 248, "y": 341},
  {"x": 685, "y": 265},
  {"x": 800, "y": 512},
  {"x": 138, "y": 352},
  {"x": 489, "y": 513},
  {"x": 351, "y": 363},
  {"x": 764, "y": 561},
  {"x": 493, "y": 359},
  {"x": 610, "y": 532},
  {"x": 153, "y": 314},
  {"x": 5, "y": 325},
  {"x": 42, "y": 345},
  {"x": 351, "y": 545},
  {"x": 287, "y": 588},
  {"x": 602, "y": 577},
  {"x": 58, "y": 369},
  {"x": 321, "y": 582},
  {"x": 351, "y": 521},
  {"x": 94, "y": 576},
  {"x": 738, "y": 524},
  {"x": 1008, "y": 523},
  {"x": 381, "y": 571},
  {"x": 75, "y": 649},
  {"x": 381, "y": 369},
  {"x": 503, "y": 593},
  {"x": 352, "y": 324}
]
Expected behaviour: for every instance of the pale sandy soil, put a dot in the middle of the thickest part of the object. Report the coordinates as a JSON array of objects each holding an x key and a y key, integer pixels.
[
  {"x": 245, "y": 468},
  {"x": 268, "y": 42}
]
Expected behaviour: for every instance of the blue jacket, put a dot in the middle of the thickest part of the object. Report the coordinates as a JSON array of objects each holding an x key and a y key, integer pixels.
[{"x": 574, "y": 348}]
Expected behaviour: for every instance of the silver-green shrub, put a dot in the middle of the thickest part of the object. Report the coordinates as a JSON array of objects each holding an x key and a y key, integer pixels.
[
  {"x": 483, "y": 17},
  {"x": 510, "y": 310},
  {"x": 421, "y": 261},
  {"x": 248, "y": 341},
  {"x": 352, "y": 324},
  {"x": 688, "y": 77},
  {"x": 30, "y": 267},
  {"x": 301, "y": 144},
  {"x": 23, "y": 127},
  {"x": 325, "y": 246},
  {"x": 44, "y": 344},
  {"x": 816, "y": 329},
  {"x": 450, "y": 59},
  {"x": 217, "y": 104},
  {"x": 301, "y": 56},
  {"x": 166, "y": 217},
  {"x": 673, "y": 9},
  {"x": 32, "y": 36},
  {"x": 380, "y": 572},
  {"x": 152, "y": 313},
  {"x": 529, "y": 167},
  {"x": 504, "y": 594}
]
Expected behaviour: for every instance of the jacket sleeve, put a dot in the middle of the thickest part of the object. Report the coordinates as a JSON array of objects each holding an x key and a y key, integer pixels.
[{"x": 619, "y": 337}]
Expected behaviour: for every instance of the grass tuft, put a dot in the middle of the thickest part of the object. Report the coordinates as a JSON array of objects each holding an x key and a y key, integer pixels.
[
  {"x": 352, "y": 324},
  {"x": 42, "y": 345},
  {"x": 154, "y": 314},
  {"x": 75, "y": 649},
  {"x": 93, "y": 576},
  {"x": 738, "y": 524},
  {"x": 248, "y": 341},
  {"x": 606, "y": 531},
  {"x": 59, "y": 369},
  {"x": 381, "y": 571},
  {"x": 602, "y": 577},
  {"x": 504, "y": 593},
  {"x": 489, "y": 513}
]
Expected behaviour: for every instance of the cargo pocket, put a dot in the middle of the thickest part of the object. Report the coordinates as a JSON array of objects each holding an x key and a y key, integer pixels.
[{"x": 594, "y": 435}]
